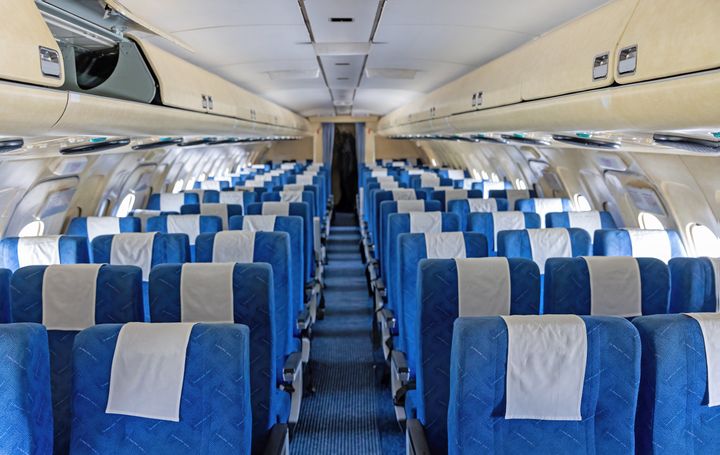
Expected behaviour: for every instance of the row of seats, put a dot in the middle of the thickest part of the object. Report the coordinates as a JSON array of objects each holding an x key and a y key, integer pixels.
[{"x": 236, "y": 390}]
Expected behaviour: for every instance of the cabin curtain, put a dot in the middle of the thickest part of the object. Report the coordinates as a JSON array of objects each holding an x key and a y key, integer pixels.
[
  {"x": 328, "y": 132},
  {"x": 360, "y": 143}
]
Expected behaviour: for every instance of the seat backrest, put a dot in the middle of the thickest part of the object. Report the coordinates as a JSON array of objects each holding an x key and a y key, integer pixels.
[
  {"x": 222, "y": 210},
  {"x": 479, "y": 372},
  {"x": 93, "y": 226},
  {"x": 490, "y": 224},
  {"x": 16, "y": 252},
  {"x": 405, "y": 223},
  {"x": 693, "y": 286},
  {"x": 5, "y": 299},
  {"x": 512, "y": 196},
  {"x": 388, "y": 208},
  {"x": 447, "y": 291},
  {"x": 230, "y": 197},
  {"x": 190, "y": 225},
  {"x": 292, "y": 196},
  {"x": 212, "y": 185},
  {"x": 446, "y": 196},
  {"x": 214, "y": 405},
  {"x": 464, "y": 207},
  {"x": 292, "y": 209},
  {"x": 541, "y": 244},
  {"x": 273, "y": 248},
  {"x": 597, "y": 286},
  {"x": 171, "y": 202},
  {"x": 253, "y": 303},
  {"x": 412, "y": 248},
  {"x": 487, "y": 186},
  {"x": 677, "y": 410},
  {"x": 590, "y": 221},
  {"x": 543, "y": 206},
  {"x": 293, "y": 226},
  {"x": 143, "y": 215},
  {"x": 118, "y": 299},
  {"x": 378, "y": 196},
  {"x": 659, "y": 244},
  {"x": 25, "y": 403},
  {"x": 166, "y": 249}
]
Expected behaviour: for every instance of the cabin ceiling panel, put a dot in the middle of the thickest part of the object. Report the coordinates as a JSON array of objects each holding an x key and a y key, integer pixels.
[{"x": 362, "y": 12}]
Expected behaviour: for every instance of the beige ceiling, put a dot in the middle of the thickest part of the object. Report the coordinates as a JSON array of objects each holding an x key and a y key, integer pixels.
[{"x": 264, "y": 45}]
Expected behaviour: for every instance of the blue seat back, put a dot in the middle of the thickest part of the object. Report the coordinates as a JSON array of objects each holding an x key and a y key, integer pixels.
[
  {"x": 215, "y": 412},
  {"x": 673, "y": 415},
  {"x": 78, "y": 226},
  {"x": 476, "y": 421},
  {"x": 562, "y": 220},
  {"x": 567, "y": 286},
  {"x": 516, "y": 244},
  {"x": 72, "y": 250},
  {"x": 483, "y": 223},
  {"x": 253, "y": 306},
  {"x": 462, "y": 208},
  {"x": 307, "y": 197},
  {"x": 5, "y": 299},
  {"x": 213, "y": 197},
  {"x": 616, "y": 242},
  {"x": 693, "y": 286},
  {"x": 207, "y": 225},
  {"x": 25, "y": 405},
  {"x": 377, "y": 197},
  {"x": 154, "y": 202},
  {"x": 438, "y": 307},
  {"x": 449, "y": 195}
]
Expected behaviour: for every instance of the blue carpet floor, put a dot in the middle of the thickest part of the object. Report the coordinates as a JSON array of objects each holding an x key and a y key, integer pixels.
[{"x": 350, "y": 413}]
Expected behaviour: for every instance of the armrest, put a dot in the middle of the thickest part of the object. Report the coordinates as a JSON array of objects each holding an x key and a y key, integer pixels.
[
  {"x": 380, "y": 286},
  {"x": 388, "y": 317},
  {"x": 304, "y": 321},
  {"x": 400, "y": 366},
  {"x": 291, "y": 369},
  {"x": 416, "y": 440},
  {"x": 277, "y": 443}
]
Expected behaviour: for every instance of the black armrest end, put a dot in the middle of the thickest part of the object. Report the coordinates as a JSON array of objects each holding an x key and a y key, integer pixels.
[
  {"x": 417, "y": 442},
  {"x": 277, "y": 443}
]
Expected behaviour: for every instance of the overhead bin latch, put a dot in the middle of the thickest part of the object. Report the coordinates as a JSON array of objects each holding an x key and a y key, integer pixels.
[
  {"x": 627, "y": 60},
  {"x": 49, "y": 62},
  {"x": 601, "y": 66}
]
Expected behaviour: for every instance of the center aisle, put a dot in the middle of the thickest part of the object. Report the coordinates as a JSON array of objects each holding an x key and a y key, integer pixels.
[{"x": 349, "y": 413}]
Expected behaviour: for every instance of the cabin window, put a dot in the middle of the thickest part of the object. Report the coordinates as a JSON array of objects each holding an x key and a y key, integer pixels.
[
  {"x": 649, "y": 221},
  {"x": 179, "y": 186},
  {"x": 33, "y": 229},
  {"x": 126, "y": 205},
  {"x": 434, "y": 163},
  {"x": 520, "y": 184},
  {"x": 485, "y": 175},
  {"x": 190, "y": 184},
  {"x": 476, "y": 174},
  {"x": 704, "y": 241},
  {"x": 582, "y": 204},
  {"x": 494, "y": 177},
  {"x": 202, "y": 177}
]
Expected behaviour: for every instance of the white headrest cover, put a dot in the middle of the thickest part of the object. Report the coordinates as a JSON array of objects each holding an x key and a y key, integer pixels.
[
  {"x": 492, "y": 186},
  {"x": 293, "y": 187},
  {"x": 219, "y": 210},
  {"x": 647, "y": 243},
  {"x": 543, "y": 206},
  {"x": 171, "y": 202},
  {"x": 206, "y": 292},
  {"x": 452, "y": 195},
  {"x": 410, "y": 206},
  {"x": 483, "y": 205},
  {"x": 147, "y": 370},
  {"x": 549, "y": 243},
  {"x": 389, "y": 185},
  {"x": 445, "y": 245},
  {"x": 403, "y": 194},
  {"x": 234, "y": 246},
  {"x": 232, "y": 197},
  {"x": 68, "y": 296},
  {"x": 144, "y": 215},
  {"x": 38, "y": 250},
  {"x": 546, "y": 363},
  {"x": 102, "y": 225},
  {"x": 304, "y": 179},
  {"x": 276, "y": 208},
  {"x": 615, "y": 286},
  {"x": 291, "y": 196},
  {"x": 133, "y": 248},
  {"x": 588, "y": 221},
  {"x": 210, "y": 185},
  {"x": 425, "y": 222},
  {"x": 507, "y": 221},
  {"x": 259, "y": 223},
  {"x": 483, "y": 287},
  {"x": 710, "y": 327},
  {"x": 456, "y": 174},
  {"x": 184, "y": 224},
  {"x": 378, "y": 172},
  {"x": 429, "y": 180}
]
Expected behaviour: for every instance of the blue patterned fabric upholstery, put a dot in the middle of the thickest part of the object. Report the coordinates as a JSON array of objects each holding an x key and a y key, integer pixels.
[
  {"x": 516, "y": 244},
  {"x": 439, "y": 195},
  {"x": 293, "y": 226},
  {"x": 78, "y": 226},
  {"x": 388, "y": 208},
  {"x": 303, "y": 211},
  {"x": 692, "y": 286},
  {"x": 208, "y": 225},
  {"x": 118, "y": 299},
  {"x": 154, "y": 200},
  {"x": 412, "y": 250},
  {"x": 481, "y": 186},
  {"x": 483, "y": 223},
  {"x": 562, "y": 220},
  {"x": 194, "y": 209},
  {"x": 567, "y": 286},
  {"x": 502, "y": 194},
  {"x": 462, "y": 208},
  {"x": 223, "y": 184},
  {"x": 438, "y": 305},
  {"x": 616, "y": 242},
  {"x": 476, "y": 421},
  {"x": 398, "y": 224},
  {"x": 25, "y": 405},
  {"x": 213, "y": 197},
  {"x": 376, "y": 198},
  {"x": 73, "y": 250},
  {"x": 253, "y": 298},
  {"x": 528, "y": 205},
  {"x": 5, "y": 299},
  {"x": 272, "y": 248},
  {"x": 307, "y": 197},
  {"x": 673, "y": 415},
  {"x": 318, "y": 206},
  {"x": 215, "y": 415},
  {"x": 415, "y": 181}
]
